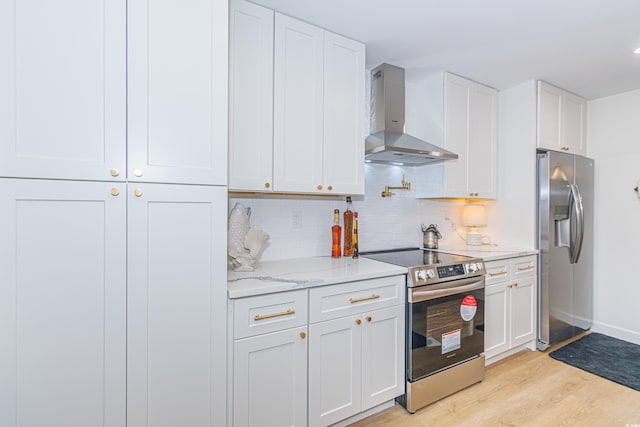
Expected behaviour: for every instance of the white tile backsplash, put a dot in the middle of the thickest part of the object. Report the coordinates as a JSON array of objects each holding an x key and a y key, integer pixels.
[{"x": 383, "y": 222}]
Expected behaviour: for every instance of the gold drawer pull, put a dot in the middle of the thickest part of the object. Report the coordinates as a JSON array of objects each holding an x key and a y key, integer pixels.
[
  {"x": 269, "y": 316},
  {"x": 500, "y": 273},
  {"x": 529, "y": 267},
  {"x": 355, "y": 300}
]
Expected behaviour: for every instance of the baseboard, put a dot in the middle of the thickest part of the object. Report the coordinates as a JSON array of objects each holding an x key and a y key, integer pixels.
[
  {"x": 616, "y": 332},
  {"x": 365, "y": 414}
]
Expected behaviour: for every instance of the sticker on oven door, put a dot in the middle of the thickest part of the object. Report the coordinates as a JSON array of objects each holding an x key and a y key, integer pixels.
[
  {"x": 450, "y": 341},
  {"x": 468, "y": 308}
]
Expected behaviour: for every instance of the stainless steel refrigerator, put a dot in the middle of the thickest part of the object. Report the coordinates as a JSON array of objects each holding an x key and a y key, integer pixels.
[{"x": 565, "y": 241}]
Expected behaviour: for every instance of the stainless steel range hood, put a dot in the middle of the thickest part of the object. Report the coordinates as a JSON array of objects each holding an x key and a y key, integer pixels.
[{"x": 388, "y": 143}]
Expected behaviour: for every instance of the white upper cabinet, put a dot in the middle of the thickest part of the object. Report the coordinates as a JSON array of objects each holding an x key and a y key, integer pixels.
[
  {"x": 561, "y": 120},
  {"x": 86, "y": 84},
  {"x": 177, "y": 99},
  {"x": 343, "y": 167},
  {"x": 469, "y": 115},
  {"x": 312, "y": 140},
  {"x": 63, "y": 89},
  {"x": 250, "y": 97}
]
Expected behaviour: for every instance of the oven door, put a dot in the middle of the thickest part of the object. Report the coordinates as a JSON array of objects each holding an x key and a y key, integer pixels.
[{"x": 445, "y": 325}]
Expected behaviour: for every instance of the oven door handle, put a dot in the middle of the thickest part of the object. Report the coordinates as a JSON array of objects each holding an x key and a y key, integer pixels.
[{"x": 457, "y": 287}]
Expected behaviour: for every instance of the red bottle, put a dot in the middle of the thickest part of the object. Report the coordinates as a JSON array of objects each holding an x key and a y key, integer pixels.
[{"x": 336, "y": 234}]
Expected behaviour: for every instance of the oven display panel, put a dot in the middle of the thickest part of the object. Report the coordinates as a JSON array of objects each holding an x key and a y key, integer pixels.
[{"x": 451, "y": 271}]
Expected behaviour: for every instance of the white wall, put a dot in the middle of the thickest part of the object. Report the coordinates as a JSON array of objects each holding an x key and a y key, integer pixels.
[{"x": 613, "y": 140}]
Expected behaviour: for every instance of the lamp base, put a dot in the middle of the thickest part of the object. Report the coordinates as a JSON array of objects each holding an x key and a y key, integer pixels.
[{"x": 474, "y": 239}]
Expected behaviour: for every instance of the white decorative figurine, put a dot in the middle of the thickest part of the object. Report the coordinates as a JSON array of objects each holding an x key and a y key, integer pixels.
[{"x": 246, "y": 243}]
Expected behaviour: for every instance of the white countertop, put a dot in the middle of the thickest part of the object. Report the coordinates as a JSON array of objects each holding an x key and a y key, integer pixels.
[
  {"x": 487, "y": 252},
  {"x": 300, "y": 273}
]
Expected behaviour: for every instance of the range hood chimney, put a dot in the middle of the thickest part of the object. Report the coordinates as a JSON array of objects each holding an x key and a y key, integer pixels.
[{"x": 388, "y": 143}]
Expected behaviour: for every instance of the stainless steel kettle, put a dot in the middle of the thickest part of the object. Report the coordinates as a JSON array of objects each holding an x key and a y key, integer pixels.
[{"x": 430, "y": 236}]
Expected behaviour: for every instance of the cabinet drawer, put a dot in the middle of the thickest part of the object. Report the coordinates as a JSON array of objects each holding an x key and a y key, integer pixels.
[
  {"x": 269, "y": 313},
  {"x": 497, "y": 271},
  {"x": 524, "y": 266},
  {"x": 332, "y": 302}
]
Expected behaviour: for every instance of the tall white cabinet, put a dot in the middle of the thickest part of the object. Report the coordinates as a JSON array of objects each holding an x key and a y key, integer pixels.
[
  {"x": 113, "y": 308},
  {"x": 562, "y": 118}
]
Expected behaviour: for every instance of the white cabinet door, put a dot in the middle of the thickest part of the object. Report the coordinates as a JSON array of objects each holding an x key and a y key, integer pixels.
[
  {"x": 177, "y": 91},
  {"x": 549, "y": 116},
  {"x": 382, "y": 355},
  {"x": 250, "y": 97},
  {"x": 573, "y": 120},
  {"x": 344, "y": 61},
  {"x": 523, "y": 310},
  {"x": 62, "y": 303},
  {"x": 298, "y": 103},
  {"x": 470, "y": 131},
  {"x": 270, "y": 379},
  {"x": 561, "y": 120},
  {"x": 63, "y": 89},
  {"x": 335, "y": 371},
  {"x": 176, "y": 305},
  {"x": 496, "y": 319}
]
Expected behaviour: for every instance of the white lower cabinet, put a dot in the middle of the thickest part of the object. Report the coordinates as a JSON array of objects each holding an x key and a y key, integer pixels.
[
  {"x": 345, "y": 356},
  {"x": 111, "y": 308},
  {"x": 510, "y": 307}
]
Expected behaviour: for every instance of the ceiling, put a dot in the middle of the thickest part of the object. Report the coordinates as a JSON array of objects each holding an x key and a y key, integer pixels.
[{"x": 584, "y": 46}]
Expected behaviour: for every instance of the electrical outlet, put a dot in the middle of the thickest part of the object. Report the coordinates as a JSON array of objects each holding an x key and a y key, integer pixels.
[{"x": 296, "y": 219}]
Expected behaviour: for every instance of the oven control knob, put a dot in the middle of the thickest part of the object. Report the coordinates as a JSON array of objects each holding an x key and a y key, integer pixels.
[
  {"x": 473, "y": 268},
  {"x": 431, "y": 274},
  {"x": 480, "y": 267},
  {"x": 422, "y": 274}
]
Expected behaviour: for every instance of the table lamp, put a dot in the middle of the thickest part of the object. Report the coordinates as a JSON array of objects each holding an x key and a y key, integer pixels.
[{"x": 474, "y": 215}]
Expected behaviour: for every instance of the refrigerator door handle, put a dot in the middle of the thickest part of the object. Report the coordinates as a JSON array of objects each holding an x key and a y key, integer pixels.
[{"x": 575, "y": 206}]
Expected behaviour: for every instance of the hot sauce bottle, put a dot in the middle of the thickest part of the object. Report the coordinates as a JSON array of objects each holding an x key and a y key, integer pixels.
[{"x": 336, "y": 234}]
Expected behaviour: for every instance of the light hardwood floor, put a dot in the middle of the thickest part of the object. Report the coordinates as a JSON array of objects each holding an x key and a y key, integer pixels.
[{"x": 527, "y": 389}]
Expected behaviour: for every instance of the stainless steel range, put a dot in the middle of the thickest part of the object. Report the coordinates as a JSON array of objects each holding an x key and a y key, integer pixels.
[{"x": 445, "y": 322}]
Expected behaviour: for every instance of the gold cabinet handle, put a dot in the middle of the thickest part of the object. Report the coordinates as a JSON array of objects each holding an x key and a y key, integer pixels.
[
  {"x": 368, "y": 318},
  {"x": 138, "y": 172},
  {"x": 355, "y": 300},
  {"x": 319, "y": 187},
  {"x": 565, "y": 148},
  {"x": 529, "y": 267},
  {"x": 114, "y": 172},
  {"x": 269, "y": 316},
  {"x": 509, "y": 286},
  {"x": 358, "y": 321},
  {"x": 137, "y": 192},
  {"x": 303, "y": 335},
  {"x": 515, "y": 285},
  {"x": 330, "y": 187},
  {"x": 115, "y": 191},
  {"x": 267, "y": 185},
  {"x": 500, "y": 273}
]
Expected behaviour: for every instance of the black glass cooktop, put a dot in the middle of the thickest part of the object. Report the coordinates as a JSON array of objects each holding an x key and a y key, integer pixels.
[{"x": 414, "y": 257}]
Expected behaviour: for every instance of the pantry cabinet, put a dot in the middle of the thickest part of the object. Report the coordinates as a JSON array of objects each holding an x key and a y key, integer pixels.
[
  {"x": 62, "y": 303},
  {"x": 113, "y": 94},
  {"x": 116, "y": 288},
  {"x": 466, "y": 113},
  {"x": 510, "y": 307},
  {"x": 561, "y": 120},
  {"x": 296, "y": 106},
  {"x": 175, "y": 322}
]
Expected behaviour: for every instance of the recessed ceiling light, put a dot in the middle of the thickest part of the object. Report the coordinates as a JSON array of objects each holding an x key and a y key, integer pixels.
[{"x": 637, "y": 51}]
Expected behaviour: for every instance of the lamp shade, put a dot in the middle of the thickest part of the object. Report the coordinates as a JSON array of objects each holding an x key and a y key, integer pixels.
[{"x": 474, "y": 215}]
